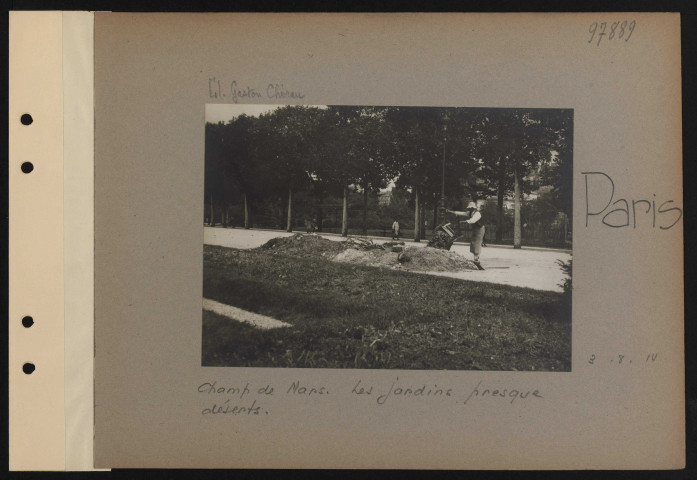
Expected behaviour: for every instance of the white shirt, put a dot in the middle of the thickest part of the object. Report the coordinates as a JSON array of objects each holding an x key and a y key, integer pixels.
[{"x": 476, "y": 216}]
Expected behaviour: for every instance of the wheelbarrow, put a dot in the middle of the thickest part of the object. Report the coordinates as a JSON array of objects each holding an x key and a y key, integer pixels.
[{"x": 443, "y": 237}]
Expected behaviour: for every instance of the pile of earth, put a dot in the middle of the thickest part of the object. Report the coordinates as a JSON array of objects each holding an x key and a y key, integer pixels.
[
  {"x": 428, "y": 259},
  {"x": 303, "y": 245},
  {"x": 363, "y": 251}
]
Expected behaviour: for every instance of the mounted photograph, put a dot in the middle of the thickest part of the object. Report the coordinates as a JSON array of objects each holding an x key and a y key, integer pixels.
[{"x": 387, "y": 237}]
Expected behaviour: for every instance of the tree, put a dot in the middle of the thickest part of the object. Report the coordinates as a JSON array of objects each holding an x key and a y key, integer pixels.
[
  {"x": 284, "y": 145},
  {"x": 338, "y": 153},
  {"x": 240, "y": 166},
  {"x": 370, "y": 149},
  {"x": 213, "y": 180},
  {"x": 558, "y": 171},
  {"x": 414, "y": 151},
  {"x": 532, "y": 140},
  {"x": 511, "y": 145},
  {"x": 493, "y": 153},
  {"x": 433, "y": 153},
  {"x": 458, "y": 160}
]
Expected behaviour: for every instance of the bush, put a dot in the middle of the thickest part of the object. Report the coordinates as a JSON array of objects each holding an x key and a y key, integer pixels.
[{"x": 566, "y": 268}]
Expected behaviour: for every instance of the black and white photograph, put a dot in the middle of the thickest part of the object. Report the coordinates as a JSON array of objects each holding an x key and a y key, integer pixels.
[{"x": 387, "y": 237}]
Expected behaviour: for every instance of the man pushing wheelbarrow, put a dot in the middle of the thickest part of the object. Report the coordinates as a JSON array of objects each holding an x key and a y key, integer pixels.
[{"x": 478, "y": 229}]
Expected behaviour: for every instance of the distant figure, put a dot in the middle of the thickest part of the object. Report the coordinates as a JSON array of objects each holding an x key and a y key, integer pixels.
[
  {"x": 477, "y": 230},
  {"x": 395, "y": 230},
  {"x": 309, "y": 225}
]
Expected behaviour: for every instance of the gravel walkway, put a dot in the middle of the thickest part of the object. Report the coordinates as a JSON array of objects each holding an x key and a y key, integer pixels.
[{"x": 234, "y": 313}]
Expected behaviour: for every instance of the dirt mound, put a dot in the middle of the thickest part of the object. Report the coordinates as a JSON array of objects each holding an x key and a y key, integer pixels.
[
  {"x": 417, "y": 259},
  {"x": 361, "y": 251},
  {"x": 360, "y": 243},
  {"x": 372, "y": 257},
  {"x": 429, "y": 259},
  {"x": 303, "y": 245}
]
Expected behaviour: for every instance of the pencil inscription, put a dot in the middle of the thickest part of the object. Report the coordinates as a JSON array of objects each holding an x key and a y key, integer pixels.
[
  {"x": 247, "y": 93},
  {"x": 245, "y": 399},
  {"x": 622, "y": 359},
  {"x": 507, "y": 393}
]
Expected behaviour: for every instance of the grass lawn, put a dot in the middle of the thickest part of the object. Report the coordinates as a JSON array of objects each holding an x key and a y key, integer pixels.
[{"x": 348, "y": 316}]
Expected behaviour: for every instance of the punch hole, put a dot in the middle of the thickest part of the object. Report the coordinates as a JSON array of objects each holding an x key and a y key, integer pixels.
[
  {"x": 27, "y": 321},
  {"x": 28, "y": 368},
  {"x": 27, "y": 167},
  {"x": 26, "y": 119}
]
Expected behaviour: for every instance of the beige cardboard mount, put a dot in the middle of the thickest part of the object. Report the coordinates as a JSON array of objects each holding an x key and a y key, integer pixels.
[{"x": 152, "y": 76}]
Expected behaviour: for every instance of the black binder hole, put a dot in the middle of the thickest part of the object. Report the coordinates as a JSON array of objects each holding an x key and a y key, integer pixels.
[
  {"x": 26, "y": 119},
  {"x": 27, "y": 321},
  {"x": 28, "y": 368},
  {"x": 27, "y": 167}
]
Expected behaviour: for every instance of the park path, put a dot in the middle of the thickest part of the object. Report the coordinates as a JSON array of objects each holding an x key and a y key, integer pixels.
[
  {"x": 526, "y": 267},
  {"x": 260, "y": 321}
]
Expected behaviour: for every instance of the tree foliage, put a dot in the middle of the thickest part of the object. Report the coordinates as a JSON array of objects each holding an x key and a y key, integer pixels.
[{"x": 322, "y": 155}]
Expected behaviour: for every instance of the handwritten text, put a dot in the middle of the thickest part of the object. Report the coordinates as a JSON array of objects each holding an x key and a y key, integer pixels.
[{"x": 247, "y": 93}]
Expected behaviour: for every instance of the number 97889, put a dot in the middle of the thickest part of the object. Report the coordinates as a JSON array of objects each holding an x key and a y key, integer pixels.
[{"x": 613, "y": 31}]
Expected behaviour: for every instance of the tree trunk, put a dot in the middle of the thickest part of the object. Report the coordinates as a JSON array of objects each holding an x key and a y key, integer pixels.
[
  {"x": 436, "y": 201},
  {"x": 516, "y": 210},
  {"x": 320, "y": 216},
  {"x": 417, "y": 220},
  {"x": 499, "y": 211},
  {"x": 422, "y": 220},
  {"x": 365, "y": 210},
  {"x": 344, "y": 218},
  {"x": 289, "y": 223},
  {"x": 212, "y": 212},
  {"x": 246, "y": 212}
]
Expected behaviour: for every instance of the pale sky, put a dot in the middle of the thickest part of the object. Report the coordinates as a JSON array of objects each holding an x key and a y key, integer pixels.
[{"x": 223, "y": 112}]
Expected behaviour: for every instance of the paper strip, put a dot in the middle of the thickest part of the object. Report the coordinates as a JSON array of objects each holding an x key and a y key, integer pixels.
[{"x": 36, "y": 400}]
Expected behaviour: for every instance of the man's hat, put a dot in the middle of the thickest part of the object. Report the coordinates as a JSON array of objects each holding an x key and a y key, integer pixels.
[{"x": 471, "y": 205}]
